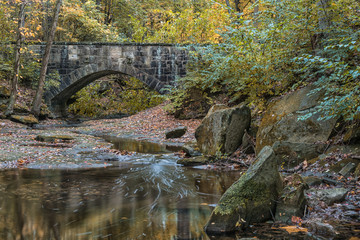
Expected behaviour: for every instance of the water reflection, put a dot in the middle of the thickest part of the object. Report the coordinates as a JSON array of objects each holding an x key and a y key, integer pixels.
[
  {"x": 148, "y": 197},
  {"x": 133, "y": 145}
]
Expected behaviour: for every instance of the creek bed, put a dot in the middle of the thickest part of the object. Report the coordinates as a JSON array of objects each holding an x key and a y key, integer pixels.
[{"x": 138, "y": 196}]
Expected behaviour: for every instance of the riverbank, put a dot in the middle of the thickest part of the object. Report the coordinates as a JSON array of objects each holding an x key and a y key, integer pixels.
[{"x": 19, "y": 146}]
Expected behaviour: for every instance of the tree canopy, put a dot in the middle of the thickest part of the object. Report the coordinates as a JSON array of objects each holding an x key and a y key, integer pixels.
[{"x": 249, "y": 50}]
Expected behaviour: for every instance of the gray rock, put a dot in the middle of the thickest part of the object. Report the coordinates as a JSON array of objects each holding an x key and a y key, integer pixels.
[
  {"x": 329, "y": 196},
  {"x": 176, "y": 133},
  {"x": 349, "y": 168},
  {"x": 290, "y": 154},
  {"x": 292, "y": 201},
  {"x": 281, "y": 121},
  {"x": 320, "y": 228},
  {"x": 222, "y": 130},
  {"x": 251, "y": 199},
  {"x": 190, "y": 151}
]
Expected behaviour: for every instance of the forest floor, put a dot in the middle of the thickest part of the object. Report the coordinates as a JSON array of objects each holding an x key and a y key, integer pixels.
[{"x": 19, "y": 146}]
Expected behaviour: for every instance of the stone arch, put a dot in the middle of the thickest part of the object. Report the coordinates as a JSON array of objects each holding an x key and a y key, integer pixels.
[{"x": 71, "y": 83}]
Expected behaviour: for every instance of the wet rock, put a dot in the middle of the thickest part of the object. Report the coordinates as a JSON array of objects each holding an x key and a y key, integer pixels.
[
  {"x": 329, "y": 196},
  {"x": 281, "y": 121},
  {"x": 176, "y": 133},
  {"x": 4, "y": 92},
  {"x": 193, "y": 161},
  {"x": 222, "y": 130},
  {"x": 320, "y": 228},
  {"x": 190, "y": 151},
  {"x": 53, "y": 138},
  {"x": 292, "y": 201},
  {"x": 26, "y": 119},
  {"x": 291, "y": 154},
  {"x": 251, "y": 199},
  {"x": 349, "y": 168}
]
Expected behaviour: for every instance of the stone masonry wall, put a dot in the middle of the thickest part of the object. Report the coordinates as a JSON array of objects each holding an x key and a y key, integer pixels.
[{"x": 79, "y": 64}]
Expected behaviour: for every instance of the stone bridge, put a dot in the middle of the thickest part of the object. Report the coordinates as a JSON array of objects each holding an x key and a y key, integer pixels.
[{"x": 79, "y": 64}]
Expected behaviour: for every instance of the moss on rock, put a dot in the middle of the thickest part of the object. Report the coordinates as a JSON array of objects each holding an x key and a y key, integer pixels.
[{"x": 251, "y": 199}]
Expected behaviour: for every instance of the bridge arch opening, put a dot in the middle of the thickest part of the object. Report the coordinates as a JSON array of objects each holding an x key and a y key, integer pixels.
[{"x": 58, "y": 97}]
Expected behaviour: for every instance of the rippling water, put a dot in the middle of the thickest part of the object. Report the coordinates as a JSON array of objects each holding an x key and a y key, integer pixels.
[{"x": 142, "y": 196}]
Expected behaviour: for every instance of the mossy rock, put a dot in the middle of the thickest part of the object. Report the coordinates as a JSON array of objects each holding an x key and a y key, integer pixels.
[
  {"x": 281, "y": 120},
  {"x": 24, "y": 119},
  {"x": 251, "y": 199},
  {"x": 3, "y": 107},
  {"x": 21, "y": 108},
  {"x": 53, "y": 138},
  {"x": 4, "y": 92},
  {"x": 290, "y": 154}
]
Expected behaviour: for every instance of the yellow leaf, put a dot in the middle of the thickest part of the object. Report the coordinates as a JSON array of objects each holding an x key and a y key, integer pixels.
[{"x": 294, "y": 229}]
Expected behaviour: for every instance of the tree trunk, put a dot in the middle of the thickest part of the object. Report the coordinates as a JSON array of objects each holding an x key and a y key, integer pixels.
[
  {"x": 228, "y": 6},
  {"x": 237, "y": 6},
  {"x": 14, "y": 80},
  {"x": 324, "y": 26},
  {"x": 40, "y": 90}
]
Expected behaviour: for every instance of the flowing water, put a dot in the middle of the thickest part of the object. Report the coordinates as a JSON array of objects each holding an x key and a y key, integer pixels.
[{"x": 142, "y": 196}]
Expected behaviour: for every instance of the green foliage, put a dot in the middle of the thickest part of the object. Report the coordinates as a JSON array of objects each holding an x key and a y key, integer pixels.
[
  {"x": 128, "y": 98},
  {"x": 283, "y": 46},
  {"x": 84, "y": 23}
]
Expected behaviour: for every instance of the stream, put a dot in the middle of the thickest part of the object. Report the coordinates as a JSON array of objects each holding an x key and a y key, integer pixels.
[{"x": 141, "y": 196}]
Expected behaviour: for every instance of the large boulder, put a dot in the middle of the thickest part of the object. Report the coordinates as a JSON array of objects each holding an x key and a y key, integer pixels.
[
  {"x": 251, "y": 199},
  {"x": 281, "y": 121},
  {"x": 290, "y": 154},
  {"x": 221, "y": 131}
]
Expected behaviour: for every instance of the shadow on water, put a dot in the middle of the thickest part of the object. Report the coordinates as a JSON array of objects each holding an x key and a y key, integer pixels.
[{"x": 144, "y": 146}]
